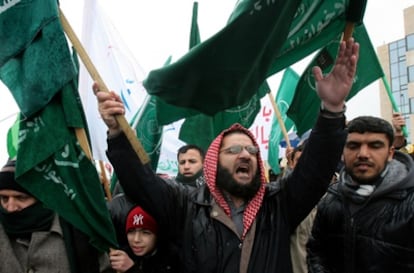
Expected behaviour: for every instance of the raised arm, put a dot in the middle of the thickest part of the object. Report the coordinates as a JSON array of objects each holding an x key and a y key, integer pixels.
[
  {"x": 319, "y": 160},
  {"x": 140, "y": 183}
]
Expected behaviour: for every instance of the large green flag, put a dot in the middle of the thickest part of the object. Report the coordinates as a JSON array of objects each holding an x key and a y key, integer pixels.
[
  {"x": 201, "y": 129},
  {"x": 261, "y": 38},
  {"x": 53, "y": 167},
  {"x": 304, "y": 108},
  {"x": 284, "y": 97},
  {"x": 50, "y": 162}
]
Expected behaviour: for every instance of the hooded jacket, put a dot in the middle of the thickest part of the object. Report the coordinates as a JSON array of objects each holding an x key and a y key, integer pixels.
[
  {"x": 373, "y": 234},
  {"x": 198, "y": 223}
]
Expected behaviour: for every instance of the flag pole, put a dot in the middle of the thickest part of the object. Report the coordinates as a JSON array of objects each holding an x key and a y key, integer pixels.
[
  {"x": 135, "y": 143},
  {"x": 279, "y": 119},
  {"x": 393, "y": 103},
  {"x": 349, "y": 29},
  {"x": 355, "y": 14}
]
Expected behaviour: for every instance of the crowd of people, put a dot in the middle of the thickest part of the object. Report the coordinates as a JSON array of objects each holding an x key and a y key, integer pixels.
[{"x": 220, "y": 214}]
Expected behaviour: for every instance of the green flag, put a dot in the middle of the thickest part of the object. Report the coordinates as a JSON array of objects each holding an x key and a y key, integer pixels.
[
  {"x": 304, "y": 108},
  {"x": 50, "y": 162},
  {"x": 33, "y": 31},
  {"x": 261, "y": 38},
  {"x": 284, "y": 97},
  {"x": 148, "y": 131},
  {"x": 201, "y": 129}
]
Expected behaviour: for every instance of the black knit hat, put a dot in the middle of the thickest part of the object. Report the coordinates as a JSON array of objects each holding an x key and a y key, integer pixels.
[{"x": 7, "y": 181}]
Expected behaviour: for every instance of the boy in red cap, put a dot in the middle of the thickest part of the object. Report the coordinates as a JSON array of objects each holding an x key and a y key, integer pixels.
[{"x": 142, "y": 253}]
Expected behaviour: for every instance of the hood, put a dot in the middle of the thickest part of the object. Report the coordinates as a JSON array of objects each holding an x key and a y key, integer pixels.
[
  {"x": 399, "y": 176},
  {"x": 210, "y": 172}
]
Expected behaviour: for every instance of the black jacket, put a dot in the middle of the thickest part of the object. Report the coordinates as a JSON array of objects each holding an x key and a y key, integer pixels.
[
  {"x": 191, "y": 220},
  {"x": 375, "y": 235}
]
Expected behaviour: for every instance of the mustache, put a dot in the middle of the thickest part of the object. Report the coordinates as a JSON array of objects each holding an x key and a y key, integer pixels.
[{"x": 362, "y": 162}]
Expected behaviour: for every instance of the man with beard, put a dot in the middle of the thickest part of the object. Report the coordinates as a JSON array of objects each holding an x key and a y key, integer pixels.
[
  {"x": 366, "y": 221},
  {"x": 190, "y": 160},
  {"x": 237, "y": 222}
]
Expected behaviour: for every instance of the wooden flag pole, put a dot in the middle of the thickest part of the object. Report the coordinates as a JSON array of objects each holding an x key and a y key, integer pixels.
[
  {"x": 279, "y": 119},
  {"x": 136, "y": 145},
  {"x": 349, "y": 29}
]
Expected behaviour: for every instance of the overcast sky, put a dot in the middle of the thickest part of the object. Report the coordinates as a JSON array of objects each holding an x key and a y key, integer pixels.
[{"x": 156, "y": 29}]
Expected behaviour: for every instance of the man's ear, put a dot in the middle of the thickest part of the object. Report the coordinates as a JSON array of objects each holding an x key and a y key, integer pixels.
[{"x": 391, "y": 153}]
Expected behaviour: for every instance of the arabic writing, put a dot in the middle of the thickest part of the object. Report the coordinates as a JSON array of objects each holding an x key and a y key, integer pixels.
[
  {"x": 34, "y": 126},
  {"x": 261, "y": 129},
  {"x": 49, "y": 173},
  {"x": 304, "y": 30},
  {"x": 259, "y": 5},
  {"x": 8, "y": 4}
]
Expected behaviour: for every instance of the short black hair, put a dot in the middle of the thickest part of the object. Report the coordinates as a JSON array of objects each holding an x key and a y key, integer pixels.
[
  {"x": 370, "y": 124},
  {"x": 185, "y": 148}
]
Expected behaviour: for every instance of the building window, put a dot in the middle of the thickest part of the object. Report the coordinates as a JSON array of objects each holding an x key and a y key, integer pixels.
[
  {"x": 411, "y": 106},
  {"x": 394, "y": 70},
  {"x": 411, "y": 73},
  {"x": 410, "y": 42},
  {"x": 395, "y": 85},
  {"x": 402, "y": 69},
  {"x": 393, "y": 56},
  {"x": 393, "y": 46}
]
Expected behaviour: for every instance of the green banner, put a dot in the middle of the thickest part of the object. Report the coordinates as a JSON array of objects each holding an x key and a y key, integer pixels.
[{"x": 305, "y": 105}]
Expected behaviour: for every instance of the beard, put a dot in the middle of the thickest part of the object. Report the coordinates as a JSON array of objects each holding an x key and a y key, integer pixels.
[
  {"x": 372, "y": 180},
  {"x": 363, "y": 181},
  {"x": 225, "y": 182}
]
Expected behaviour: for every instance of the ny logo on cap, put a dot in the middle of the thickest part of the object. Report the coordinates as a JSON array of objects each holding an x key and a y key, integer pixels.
[{"x": 138, "y": 220}]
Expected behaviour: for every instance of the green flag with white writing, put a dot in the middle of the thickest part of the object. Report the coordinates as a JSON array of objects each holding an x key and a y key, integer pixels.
[
  {"x": 51, "y": 164},
  {"x": 284, "y": 97},
  {"x": 53, "y": 167},
  {"x": 304, "y": 108},
  {"x": 261, "y": 38}
]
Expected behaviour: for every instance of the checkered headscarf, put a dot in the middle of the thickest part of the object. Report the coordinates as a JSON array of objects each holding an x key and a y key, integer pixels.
[{"x": 210, "y": 172}]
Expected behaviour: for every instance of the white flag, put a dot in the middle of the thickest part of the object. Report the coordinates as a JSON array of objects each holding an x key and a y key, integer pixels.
[{"x": 117, "y": 67}]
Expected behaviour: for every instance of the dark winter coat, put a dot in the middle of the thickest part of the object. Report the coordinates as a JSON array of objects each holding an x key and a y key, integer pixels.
[{"x": 376, "y": 235}]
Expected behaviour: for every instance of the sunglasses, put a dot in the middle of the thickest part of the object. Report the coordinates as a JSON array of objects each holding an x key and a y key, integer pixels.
[{"x": 237, "y": 149}]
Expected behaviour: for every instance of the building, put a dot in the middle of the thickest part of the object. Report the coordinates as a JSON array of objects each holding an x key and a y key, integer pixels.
[{"x": 397, "y": 60}]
